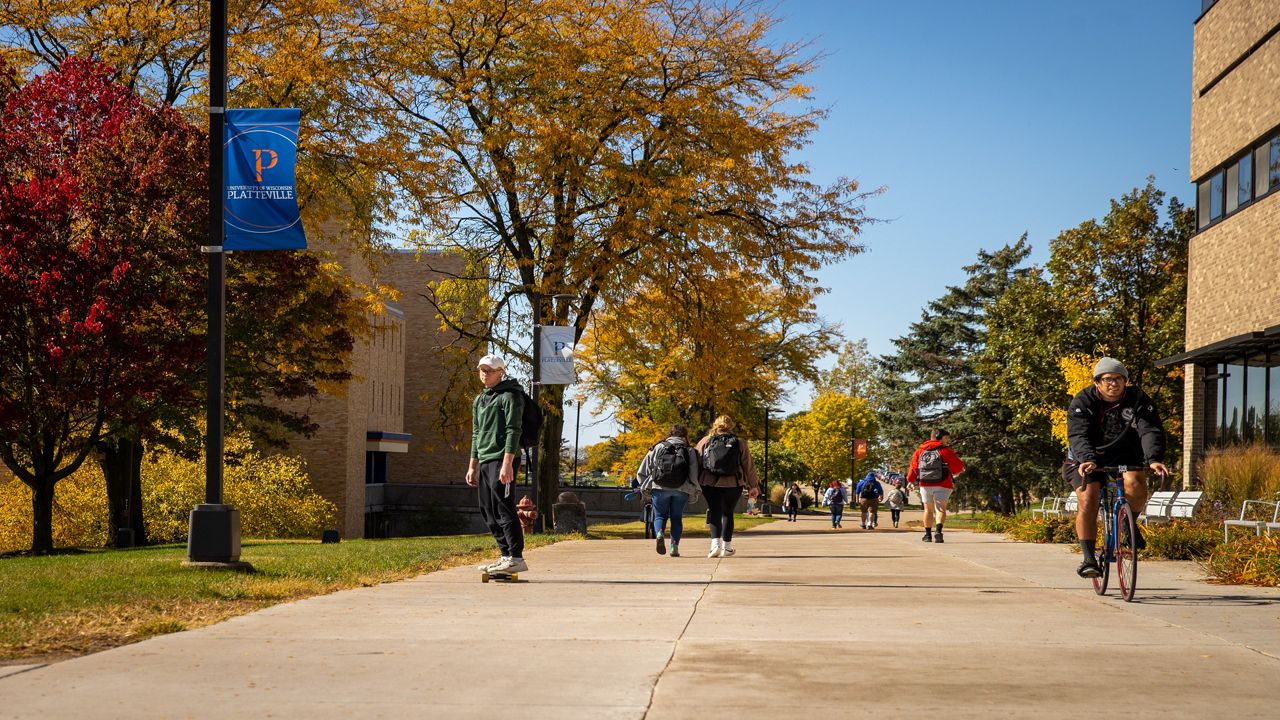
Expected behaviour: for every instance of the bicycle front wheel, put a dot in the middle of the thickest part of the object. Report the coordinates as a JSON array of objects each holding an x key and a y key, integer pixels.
[
  {"x": 1127, "y": 552},
  {"x": 1104, "y": 555}
]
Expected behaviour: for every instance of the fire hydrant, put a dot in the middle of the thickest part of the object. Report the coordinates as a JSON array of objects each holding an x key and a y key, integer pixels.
[{"x": 527, "y": 514}]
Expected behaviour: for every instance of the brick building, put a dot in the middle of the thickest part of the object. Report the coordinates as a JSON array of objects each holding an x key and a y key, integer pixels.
[
  {"x": 379, "y": 429},
  {"x": 1232, "y": 357}
]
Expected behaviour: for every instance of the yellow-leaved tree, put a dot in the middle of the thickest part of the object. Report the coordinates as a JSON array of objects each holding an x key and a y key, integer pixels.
[
  {"x": 588, "y": 148},
  {"x": 822, "y": 437},
  {"x": 1077, "y": 374}
]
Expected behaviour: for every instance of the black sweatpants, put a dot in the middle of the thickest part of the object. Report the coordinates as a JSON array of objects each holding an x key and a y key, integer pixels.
[
  {"x": 720, "y": 504},
  {"x": 498, "y": 508}
]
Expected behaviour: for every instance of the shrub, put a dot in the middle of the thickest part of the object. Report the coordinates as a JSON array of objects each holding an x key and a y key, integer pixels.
[
  {"x": 1181, "y": 541},
  {"x": 994, "y": 523},
  {"x": 1248, "y": 560},
  {"x": 79, "y": 511},
  {"x": 272, "y": 493},
  {"x": 1037, "y": 530},
  {"x": 1240, "y": 472}
]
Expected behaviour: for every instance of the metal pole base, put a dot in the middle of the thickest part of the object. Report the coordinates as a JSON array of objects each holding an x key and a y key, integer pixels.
[{"x": 215, "y": 535}]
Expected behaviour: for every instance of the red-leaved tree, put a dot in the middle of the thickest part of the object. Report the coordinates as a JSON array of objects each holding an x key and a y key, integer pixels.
[{"x": 97, "y": 225}]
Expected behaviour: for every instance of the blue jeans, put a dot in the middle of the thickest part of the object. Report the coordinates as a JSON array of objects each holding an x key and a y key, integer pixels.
[
  {"x": 837, "y": 513},
  {"x": 669, "y": 504}
]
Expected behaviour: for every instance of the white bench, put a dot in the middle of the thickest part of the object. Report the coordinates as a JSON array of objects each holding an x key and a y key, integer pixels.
[
  {"x": 1049, "y": 506},
  {"x": 1184, "y": 506},
  {"x": 1255, "y": 518},
  {"x": 1158, "y": 506},
  {"x": 1070, "y": 504}
]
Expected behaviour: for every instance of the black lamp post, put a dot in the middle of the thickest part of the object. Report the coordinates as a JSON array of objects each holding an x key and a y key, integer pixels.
[
  {"x": 577, "y": 426},
  {"x": 214, "y": 531},
  {"x": 767, "y": 410}
]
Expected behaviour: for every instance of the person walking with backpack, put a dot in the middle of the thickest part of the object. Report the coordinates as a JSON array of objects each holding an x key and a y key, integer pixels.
[
  {"x": 791, "y": 501},
  {"x": 897, "y": 499},
  {"x": 835, "y": 498},
  {"x": 497, "y": 417},
  {"x": 933, "y": 468},
  {"x": 668, "y": 475},
  {"x": 870, "y": 495},
  {"x": 726, "y": 469}
]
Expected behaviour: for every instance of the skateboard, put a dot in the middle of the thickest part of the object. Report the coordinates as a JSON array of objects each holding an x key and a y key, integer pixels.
[{"x": 486, "y": 576}]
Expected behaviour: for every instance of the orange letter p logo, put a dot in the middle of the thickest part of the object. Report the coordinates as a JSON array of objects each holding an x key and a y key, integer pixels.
[{"x": 257, "y": 162}]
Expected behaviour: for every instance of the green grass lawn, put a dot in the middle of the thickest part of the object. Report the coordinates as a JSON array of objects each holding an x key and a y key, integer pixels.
[{"x": 79, "y": 602}]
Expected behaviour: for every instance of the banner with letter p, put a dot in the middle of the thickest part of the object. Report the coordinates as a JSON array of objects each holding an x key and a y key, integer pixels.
[
  {"x": 557, "y": 355},
  {"x": 260, "y": 202}
]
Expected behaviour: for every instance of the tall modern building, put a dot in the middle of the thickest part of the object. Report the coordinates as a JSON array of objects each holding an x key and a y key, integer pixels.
[{"x": 1232, "y": 357}]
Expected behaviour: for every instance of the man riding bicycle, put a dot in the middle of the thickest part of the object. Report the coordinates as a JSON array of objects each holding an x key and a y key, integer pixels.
[{"x": 1110, "y": 423}]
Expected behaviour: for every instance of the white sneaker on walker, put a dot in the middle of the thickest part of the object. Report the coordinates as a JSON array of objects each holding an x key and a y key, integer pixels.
[
  {"x": 715, "y": 548},
  {"x": 726, "y": 550}
]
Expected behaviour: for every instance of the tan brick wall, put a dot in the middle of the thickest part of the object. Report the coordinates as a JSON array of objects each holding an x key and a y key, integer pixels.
[
  {"x": 1246, "y": 103},
  {"x": 1233, "y": 277},
  {"x": 1193, "y": 436},
  {"x": 430, "y": 458}
]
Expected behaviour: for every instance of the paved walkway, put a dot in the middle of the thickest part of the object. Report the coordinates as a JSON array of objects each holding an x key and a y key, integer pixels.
[{"x": 976, "y": 628}]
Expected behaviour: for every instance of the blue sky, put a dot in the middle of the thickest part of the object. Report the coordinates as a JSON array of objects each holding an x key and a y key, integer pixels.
[{"x": 983, "y": 120}]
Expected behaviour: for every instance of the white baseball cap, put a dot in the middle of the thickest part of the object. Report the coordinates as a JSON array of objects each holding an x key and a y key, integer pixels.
[{"x": 492, "y": 361}]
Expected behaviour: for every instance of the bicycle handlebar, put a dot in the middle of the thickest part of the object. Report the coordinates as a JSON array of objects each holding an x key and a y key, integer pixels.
[{"x": 1121, "y": 469}]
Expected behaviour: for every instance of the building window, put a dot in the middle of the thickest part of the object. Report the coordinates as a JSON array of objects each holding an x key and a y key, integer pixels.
[
  {"x": 1239, "y": 182},
  {"x": 1205, "y": 5}
]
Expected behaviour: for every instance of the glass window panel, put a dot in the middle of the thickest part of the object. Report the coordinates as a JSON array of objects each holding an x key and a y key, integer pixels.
[
  {"x": 1260, "y": 166},
  {"x": 1233, "y": 404},
  {"x": 1256, "y": 401},
  {"x": 1202, "y": 204},
  {"x": 1273, "y": 178},
  {"x": 1273, "y": 416},
  {"x": 1245, "y": 192},
  {"x": 1209, "y": 413},
  {"x": 1215, "y": 196},
  {"x": 1233, "y": 187}
]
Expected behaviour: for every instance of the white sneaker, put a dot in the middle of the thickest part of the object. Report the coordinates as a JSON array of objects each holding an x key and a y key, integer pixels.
[
  {"x": 715, "y": 549},
  {"x": 491, "y": 563},
  {"x": 726, "y": 550},
  {"x": 508, "y": 566}
]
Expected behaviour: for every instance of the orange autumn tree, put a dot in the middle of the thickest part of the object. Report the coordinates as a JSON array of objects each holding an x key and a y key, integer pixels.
[
  {"x": 601, "y": 148},
  {"x": 702, "y": 344}
]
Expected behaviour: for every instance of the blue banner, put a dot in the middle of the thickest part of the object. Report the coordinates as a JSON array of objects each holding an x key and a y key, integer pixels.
[{"x": 260, "y": 210}]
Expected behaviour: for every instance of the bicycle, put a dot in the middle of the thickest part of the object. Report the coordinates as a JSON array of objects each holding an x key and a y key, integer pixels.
[{"x": 1121, "y": 528}]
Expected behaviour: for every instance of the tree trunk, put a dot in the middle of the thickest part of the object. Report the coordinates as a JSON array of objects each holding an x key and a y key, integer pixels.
[
  {"x": 121, "y": 461},
  {"x": 552, "y": 397},
  {"x": 42, "y": 516}
]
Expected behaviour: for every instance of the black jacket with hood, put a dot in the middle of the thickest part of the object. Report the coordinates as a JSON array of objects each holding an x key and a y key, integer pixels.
[{"x": 1125, "y": 432}]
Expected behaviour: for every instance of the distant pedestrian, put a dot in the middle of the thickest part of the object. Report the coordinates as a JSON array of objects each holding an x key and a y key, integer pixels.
[
  {"x": 726, "y": 468},
  {"x": 791, "y": 501},
  {"x": 897, "y": 499},
  {"x": 496, "y": 420},
  {"x": 870, "y": 494},
  {"x": 668, "y": 475},
  {"x": 835, "y": 498},
  {"x": 934, "y": 466}
]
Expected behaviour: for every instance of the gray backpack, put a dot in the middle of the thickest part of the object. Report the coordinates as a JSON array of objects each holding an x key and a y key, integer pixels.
[{"x": 931, "y": 467}]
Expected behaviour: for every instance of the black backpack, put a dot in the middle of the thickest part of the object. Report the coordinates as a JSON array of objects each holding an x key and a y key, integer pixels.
[
  {"x": 722, "y": 455},
  {"x": 530, "y": 419},
  {"x": 931, "y": 467},
  {"x": 670, "y": 465},
  {"x": 869, "y": 491}
]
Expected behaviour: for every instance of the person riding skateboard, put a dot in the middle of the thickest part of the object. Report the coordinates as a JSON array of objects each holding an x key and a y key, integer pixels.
[{"x": 495, "y": 456}]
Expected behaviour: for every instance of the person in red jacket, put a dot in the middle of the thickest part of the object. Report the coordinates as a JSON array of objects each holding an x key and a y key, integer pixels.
[{"x": 933, "y": 468}]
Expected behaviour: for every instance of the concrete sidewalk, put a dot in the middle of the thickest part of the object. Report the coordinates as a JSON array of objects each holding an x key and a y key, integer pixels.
[{"x": 978, "y": 627}]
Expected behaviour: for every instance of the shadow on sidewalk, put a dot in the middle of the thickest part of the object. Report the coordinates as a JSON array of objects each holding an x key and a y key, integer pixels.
[{"x": 1202, "y": 600}]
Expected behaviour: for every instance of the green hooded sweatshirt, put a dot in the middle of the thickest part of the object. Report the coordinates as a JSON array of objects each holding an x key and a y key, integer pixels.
[{"x": 495, "y": 421}]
